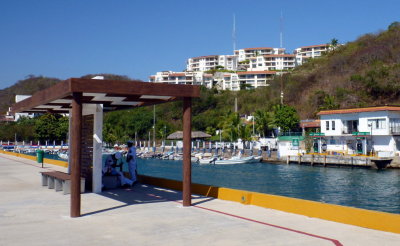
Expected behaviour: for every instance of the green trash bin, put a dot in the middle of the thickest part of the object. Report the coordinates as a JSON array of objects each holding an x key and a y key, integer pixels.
[{"x": 39, "y": 155}]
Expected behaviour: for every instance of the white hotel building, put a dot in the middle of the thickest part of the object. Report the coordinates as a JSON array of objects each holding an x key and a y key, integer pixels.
[
  {"x": 272, "y": 62},
  {"x": 362, "y": 130},
  {"x": 253, "y": 67},
  {"x": 205, "y": 63},
  {"x": 220, "y": 80},
  {"x": 306, "y": 52},
  {"x": 247, "y": 53}
]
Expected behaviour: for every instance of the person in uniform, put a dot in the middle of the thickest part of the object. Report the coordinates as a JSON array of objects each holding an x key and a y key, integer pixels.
[
  {"x": 110, "y": 168},
  {"x": 131, "y": 159}
]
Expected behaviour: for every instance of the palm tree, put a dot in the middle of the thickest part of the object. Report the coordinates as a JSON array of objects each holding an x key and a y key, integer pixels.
[
  {"x": 230, "y": 126},
  {"x": 334, "y": 43},
  {"x": 263, "y": 121},
  {"x": 245, "y": 132}
]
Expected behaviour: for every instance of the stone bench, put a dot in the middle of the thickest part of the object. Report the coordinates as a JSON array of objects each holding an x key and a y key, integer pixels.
[{"x": 59, "y": 181}]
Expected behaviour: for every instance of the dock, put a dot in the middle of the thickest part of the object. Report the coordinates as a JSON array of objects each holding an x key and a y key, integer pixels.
[{"x": 334, "y": 160}]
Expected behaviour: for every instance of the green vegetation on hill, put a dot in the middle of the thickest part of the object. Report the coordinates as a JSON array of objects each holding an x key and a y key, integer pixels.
[
  {"x": 27, "y": 86},
  {"x": 365, "y": 72}
]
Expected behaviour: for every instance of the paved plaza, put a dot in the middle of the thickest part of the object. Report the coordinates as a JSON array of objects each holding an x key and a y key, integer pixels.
[{"x": 31, "y": 214}]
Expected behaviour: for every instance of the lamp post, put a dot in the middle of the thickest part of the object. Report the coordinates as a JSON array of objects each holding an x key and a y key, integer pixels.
[
  {"x": 253, "y": 125},
  {"x": 165, "y": 134},
  {"x": 370, "y": 125}
]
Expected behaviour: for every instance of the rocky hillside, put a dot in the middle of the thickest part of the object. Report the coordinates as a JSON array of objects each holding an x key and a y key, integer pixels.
[{"x": 365, "y": 72}]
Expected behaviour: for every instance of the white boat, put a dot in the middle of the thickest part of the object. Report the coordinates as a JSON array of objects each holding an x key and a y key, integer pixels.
[
  {"x": 233, "y": 160},
  {"x": 63, "y": 155}
]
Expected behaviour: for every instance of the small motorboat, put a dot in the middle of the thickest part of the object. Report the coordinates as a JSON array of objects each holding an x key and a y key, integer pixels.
[{"x": 230, "y": 161}]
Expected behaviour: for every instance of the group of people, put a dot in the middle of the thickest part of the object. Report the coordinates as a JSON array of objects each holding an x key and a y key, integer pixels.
[{"x": 113, "y": 165}]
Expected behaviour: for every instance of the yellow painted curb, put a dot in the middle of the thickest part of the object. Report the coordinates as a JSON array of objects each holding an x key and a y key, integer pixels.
[
  {"x": 33, "y": 158},
  {"x": 347, "y": 215}
]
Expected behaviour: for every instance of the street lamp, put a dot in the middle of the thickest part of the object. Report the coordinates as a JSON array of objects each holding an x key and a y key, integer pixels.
[
  {"x": 370, "y": 125},
  {"x": 165, "y": 134},
  {"x": 253, "y": 125}
]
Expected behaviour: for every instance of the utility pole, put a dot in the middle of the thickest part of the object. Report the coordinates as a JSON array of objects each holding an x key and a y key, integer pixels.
[
  {"x": 281, "y": 88},
  {"x": 236, "y": 107},
  {"x": 154, "y": 125},
  {"x": 253, "y": 125},
  {"x": 281, "y": 43},
  {"x": 135, "y": 138}
]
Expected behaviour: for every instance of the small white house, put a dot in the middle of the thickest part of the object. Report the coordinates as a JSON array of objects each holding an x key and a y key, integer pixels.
[{"x": 361, "y": 130}]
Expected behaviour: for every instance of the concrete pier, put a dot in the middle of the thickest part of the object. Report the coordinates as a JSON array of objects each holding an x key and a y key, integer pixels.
[{"x": 149, "y": 215}]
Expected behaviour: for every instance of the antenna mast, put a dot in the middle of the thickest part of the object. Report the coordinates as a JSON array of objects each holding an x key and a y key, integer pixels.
[
  {"x": 281, "y": 30},
  {"x": 281, "y": 43},
  {"x": 234, "y": 33}
]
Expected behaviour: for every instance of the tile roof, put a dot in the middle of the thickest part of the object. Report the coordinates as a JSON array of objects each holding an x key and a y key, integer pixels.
[
  {"x": 257, "y": 72},
  {"x": 259, "y": 48},
  {"x": 310, "y": 124},
  {"x": 359, "y": 110},
  {"x": 280, "y": 55},
  {"x": 176, "y": 74},
  {"x": 209, "y": 56},
  {"x": 318, "y": 45}
]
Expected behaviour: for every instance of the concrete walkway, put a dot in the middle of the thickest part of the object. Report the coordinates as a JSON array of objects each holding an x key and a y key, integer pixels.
[{"x": 146, "y": 215}]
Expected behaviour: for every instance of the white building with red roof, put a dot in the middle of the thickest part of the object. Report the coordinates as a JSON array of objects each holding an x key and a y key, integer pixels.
[
  {"x": 272, "y": 62},
  {"x": 205, "y": 63},
  {"x": 373, "y": 130},
  {"x": 249, "y": 67},
  {"x": 306, "y": 52},
  {"x": 247, "y": 53}
]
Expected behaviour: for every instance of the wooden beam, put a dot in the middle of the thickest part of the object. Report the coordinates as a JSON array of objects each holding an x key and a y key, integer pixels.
[
  {"x": 43, "y": 97},
  {"x": 75, "y": 151},
  {"x": 187, "y": 168},
  {"x": 134, "y": 87}
]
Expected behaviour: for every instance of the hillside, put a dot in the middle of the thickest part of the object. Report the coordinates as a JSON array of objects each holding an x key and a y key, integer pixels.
[
  {"x": 27, "y": 86},
  {"x": 365, "y": 72}
]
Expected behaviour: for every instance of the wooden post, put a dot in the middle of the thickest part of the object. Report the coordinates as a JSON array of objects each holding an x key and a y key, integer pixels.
[
  {"x": 312, "y": 160},
  {"x": 187, "y": 169},
  {"x": 324, "y": 160},
  {"x": 299, "y": 159},
  {"x": 287, "y": 159},
  {"x": 75, "y": 146}
]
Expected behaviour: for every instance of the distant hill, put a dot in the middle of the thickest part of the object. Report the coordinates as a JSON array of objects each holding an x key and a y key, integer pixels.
[
  {"x": 33, "y": 84},
  {"x": 362, "y": 73},
  {"x": 27, "y": 86}
]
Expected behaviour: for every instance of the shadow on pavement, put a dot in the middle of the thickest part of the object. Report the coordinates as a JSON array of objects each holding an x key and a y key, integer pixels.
[{"x": 142, "y": 194}]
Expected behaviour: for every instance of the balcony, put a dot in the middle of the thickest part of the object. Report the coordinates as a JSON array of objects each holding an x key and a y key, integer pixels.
[
  {"x": 395, "y": 130},
  {"x": 349, "y": 131}
]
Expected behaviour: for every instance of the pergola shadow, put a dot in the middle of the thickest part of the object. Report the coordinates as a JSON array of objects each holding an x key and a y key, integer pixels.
[{"x": 143, "y": 194}]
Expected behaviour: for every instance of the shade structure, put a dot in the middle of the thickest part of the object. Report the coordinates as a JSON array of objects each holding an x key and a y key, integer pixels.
[
  {"x": 112, "y": 94},
  {"x": 72, "y": 95},
  {"x": 195, "y": 134}
]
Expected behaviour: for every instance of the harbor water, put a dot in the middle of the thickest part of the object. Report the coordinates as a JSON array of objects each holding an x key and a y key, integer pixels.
[
  {"x": 355, "y": 187},
  {"x": 360, "y": 188}
]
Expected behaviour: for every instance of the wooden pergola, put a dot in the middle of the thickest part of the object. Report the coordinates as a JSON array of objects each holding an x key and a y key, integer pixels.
[{"x": 72, "y": 95}]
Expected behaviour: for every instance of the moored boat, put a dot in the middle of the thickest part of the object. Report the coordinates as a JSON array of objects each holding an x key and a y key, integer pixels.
[{"x": 230, "y": 161}]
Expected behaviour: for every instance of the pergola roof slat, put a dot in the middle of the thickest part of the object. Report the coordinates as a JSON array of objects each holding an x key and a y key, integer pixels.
[{"x": 112, "y": 93}]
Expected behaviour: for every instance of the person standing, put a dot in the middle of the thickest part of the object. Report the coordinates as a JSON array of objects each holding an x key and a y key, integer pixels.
[{"x": 131, "y": 159}]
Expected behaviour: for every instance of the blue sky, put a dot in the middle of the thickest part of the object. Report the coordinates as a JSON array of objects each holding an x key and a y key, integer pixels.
[{"x": 72, "y": 38}]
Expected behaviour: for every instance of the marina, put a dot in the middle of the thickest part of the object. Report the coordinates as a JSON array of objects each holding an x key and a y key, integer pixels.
[{"x": 362, "y": 188}]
